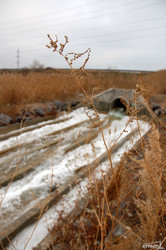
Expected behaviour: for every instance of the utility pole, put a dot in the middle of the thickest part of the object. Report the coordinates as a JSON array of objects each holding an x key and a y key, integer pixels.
[{"x": 18, "y": 58}]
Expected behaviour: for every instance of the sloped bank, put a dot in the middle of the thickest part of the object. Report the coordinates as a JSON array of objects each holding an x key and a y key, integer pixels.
[
  {"x": 116, "y": 102},
  {"x": 36, "y": 111}
]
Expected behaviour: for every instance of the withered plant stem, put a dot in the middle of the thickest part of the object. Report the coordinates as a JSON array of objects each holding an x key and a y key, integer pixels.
[{"x": 54, "y": 45}]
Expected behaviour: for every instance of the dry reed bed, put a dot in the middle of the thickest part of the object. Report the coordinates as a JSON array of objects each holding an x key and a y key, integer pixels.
[
  {"x": 126, "y": 221},
  {"x": 19, "y": 89},
  {"x": 96, "y": 227}
]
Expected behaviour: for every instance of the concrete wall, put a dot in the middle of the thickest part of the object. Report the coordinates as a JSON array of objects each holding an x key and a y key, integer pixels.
[{"x": 108, "y": 99}]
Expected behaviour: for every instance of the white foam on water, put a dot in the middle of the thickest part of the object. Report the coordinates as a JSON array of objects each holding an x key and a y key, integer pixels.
[
  {"x": 77, "y": 116},
  {"x": 65, "y": 169}
]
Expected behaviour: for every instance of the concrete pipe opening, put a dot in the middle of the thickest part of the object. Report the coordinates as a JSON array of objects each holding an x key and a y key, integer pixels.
[{"x": 119, "y": 104}]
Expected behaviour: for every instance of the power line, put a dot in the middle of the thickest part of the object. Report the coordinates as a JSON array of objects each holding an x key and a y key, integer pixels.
[
  {"x": 107, "y": 35},
  {"x": 96, "y": 28},
  {"x": 125, "y": 39},
  {"x": 112, "y": 40},
  {"x": 88, "y": 18},
  {"x": 96, "y": 42},
  {"x": 80, "y": 6},
  {"x": 53, "y": 12},
  {"x": 126, "y": 32}
]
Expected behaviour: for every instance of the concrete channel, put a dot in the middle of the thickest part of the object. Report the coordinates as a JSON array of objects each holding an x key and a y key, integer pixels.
[{"x": 54, "y": 155}]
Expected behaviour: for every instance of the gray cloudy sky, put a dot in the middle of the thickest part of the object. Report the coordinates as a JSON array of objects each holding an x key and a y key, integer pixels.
[{"x": 122, "y": 34}]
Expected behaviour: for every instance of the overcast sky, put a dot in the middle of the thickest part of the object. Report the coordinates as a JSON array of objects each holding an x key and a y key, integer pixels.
[{"x": 122, "y": 34}]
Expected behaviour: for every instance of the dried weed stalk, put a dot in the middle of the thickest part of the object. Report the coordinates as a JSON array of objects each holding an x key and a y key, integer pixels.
[
  {"x": 59, "y": 48},
  {"x": 149, "y": 199},
  {"x": 97, "y": 224}
]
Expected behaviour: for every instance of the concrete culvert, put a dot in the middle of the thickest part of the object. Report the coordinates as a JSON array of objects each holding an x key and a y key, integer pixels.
[
  {"x": 113, "y": 98},
  {"x": 118, "y": 103}
]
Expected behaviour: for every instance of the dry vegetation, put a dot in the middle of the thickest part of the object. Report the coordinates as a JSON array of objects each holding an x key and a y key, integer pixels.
[
  {"x": 126, "y": 208},
  {"x": 124, "y": 221},
  {"x": 118, "y": 214},
  {"x": 122, "y": 216},
  {"x": 19, "y": 89}
]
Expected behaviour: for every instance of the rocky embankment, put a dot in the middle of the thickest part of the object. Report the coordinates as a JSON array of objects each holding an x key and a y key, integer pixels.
[
  {"x": 38, "y": 110},
  {"x": 158, "y": 105}
]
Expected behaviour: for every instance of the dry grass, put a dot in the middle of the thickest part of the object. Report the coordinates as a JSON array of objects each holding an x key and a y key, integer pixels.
[
  {"x": 18, "y": 89},
  {"x": 118, "y": 214},
  {"x": 136, "y": 217}
]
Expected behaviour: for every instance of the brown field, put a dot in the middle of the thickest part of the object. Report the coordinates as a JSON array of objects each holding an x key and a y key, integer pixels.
[
  {"x": 20, "y": 89},
  {"x": 119, "y": 214}
]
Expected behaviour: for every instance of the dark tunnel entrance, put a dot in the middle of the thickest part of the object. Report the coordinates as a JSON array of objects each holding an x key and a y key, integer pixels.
[{"x": 118, "y": 104}]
